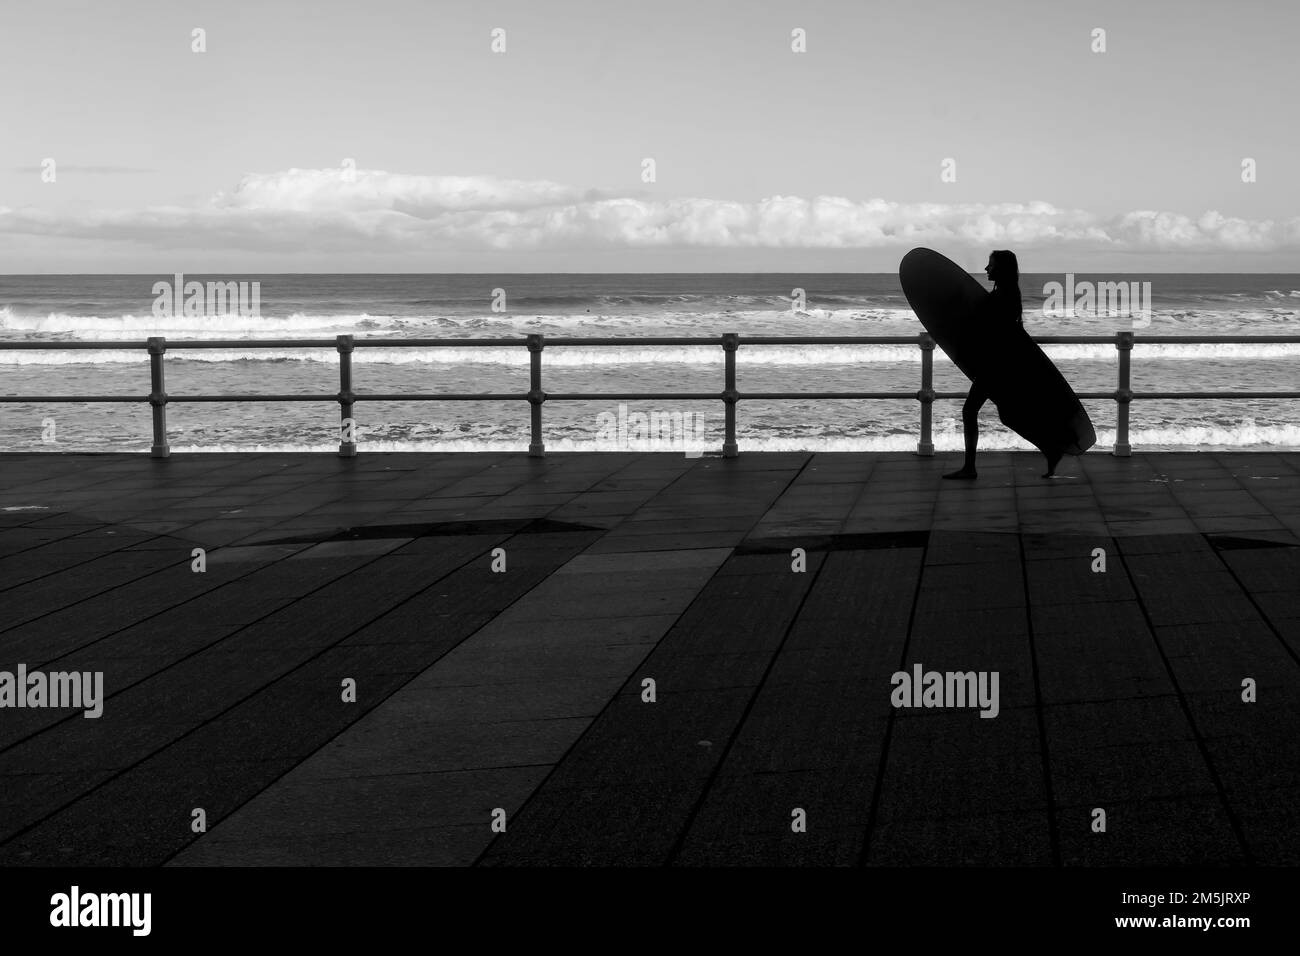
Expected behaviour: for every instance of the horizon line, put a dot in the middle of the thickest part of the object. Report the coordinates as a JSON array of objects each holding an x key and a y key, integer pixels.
[{"x": 799, "y": 272}]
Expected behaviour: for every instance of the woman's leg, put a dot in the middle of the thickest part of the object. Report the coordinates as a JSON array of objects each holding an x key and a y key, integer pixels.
[
  {"x": 1053, "y": 459},
  {"x": 970, "y": 423},
  {"x": 1054, "y": 456}
]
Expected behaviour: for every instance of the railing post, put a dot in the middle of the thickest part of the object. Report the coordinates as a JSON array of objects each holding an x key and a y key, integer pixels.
[
  {"x": 730, "y": 342},
  {"x": 347, "y": 397},
  {"x": 926, "y": 395},
  {"x": 1123, "y": 394},
  {"x": 536, "y": 342},
  {"x": 158, "y": 397}
]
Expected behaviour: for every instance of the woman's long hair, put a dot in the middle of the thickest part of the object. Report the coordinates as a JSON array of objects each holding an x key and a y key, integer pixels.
[{"x": 1006, "y": 279}]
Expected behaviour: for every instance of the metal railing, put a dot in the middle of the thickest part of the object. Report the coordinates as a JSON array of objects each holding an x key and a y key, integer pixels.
[{"x": 158, "y": 398}]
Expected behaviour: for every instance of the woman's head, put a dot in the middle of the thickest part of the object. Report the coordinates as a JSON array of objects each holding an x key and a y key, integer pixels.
[
  {"x": 1003, "y": 269},
  {"x": 1004, "y": 272}
]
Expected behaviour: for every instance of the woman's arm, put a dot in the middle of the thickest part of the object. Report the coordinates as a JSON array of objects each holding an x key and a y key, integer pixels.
[{"x": 1000, "y": 310}]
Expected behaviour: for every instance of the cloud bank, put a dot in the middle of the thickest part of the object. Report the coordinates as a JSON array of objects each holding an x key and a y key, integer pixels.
[{"x": 371, "y": 210}]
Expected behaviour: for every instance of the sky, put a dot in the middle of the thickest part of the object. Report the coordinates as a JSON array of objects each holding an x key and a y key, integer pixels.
[{"x": 388, "y": 136}]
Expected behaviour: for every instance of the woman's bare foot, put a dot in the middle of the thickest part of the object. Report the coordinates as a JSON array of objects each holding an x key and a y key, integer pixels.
[{"x": 962, "y": 473}]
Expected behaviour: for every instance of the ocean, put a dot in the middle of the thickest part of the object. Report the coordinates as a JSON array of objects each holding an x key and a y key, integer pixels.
[{"x": 90, "y": 308}]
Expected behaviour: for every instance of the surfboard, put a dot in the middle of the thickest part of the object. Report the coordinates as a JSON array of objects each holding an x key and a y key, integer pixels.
[{"x": 1032, "y": 397}]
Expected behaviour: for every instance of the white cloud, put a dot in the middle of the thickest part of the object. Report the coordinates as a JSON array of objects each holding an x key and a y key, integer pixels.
[
  {"x": 327, "y": 210},
  {"x": 1162, "y": 230},
  {"x": 360, "y": 190}
]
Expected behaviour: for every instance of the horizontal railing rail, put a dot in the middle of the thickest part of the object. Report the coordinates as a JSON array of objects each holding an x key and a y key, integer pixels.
[{"x": 1123, "y": 394}]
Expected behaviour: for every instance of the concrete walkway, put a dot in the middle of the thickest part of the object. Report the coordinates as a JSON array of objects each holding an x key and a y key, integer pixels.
[{"x": 502, "y": 619}]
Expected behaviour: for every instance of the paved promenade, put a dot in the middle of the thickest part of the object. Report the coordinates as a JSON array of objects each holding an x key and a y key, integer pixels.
[{"x": 503, "y": 621}]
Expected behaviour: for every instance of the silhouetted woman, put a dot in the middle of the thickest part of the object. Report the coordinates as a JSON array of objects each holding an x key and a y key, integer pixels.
[{"x": 1001, "y": 318}]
